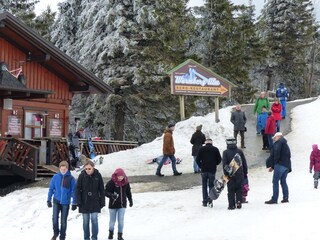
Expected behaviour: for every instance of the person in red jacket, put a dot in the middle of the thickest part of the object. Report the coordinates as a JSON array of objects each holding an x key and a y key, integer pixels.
[
  {"x": 270, "y": 128},
  {"x": 276, "y": 109},
  {"x": 315, "y": 164}
]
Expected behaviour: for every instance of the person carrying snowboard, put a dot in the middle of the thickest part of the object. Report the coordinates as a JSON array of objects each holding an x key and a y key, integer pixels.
[
  {"x": 315, "y": 164},
  {"x": 118, "y": 190},
  {"x": 208, "y": 159},
  {"x": 235, "y": 183}
]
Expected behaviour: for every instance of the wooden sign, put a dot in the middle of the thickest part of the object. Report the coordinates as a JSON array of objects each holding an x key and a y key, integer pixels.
[
  {"x": 191, "y": 78},
  {"x": 14, "y": 125},
  {"x": 55, "y": 128}
]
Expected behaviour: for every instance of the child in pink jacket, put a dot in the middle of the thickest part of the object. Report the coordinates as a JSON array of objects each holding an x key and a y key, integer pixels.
[{"x": 315, "y": 164}]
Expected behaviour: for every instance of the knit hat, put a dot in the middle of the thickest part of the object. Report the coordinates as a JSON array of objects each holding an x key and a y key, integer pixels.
[
  {"x": 231, "y": 140},
  {"x": 117, "y": 173},
  {"x": 199, "y": 127},
  {"x": 171, "y": 125}
]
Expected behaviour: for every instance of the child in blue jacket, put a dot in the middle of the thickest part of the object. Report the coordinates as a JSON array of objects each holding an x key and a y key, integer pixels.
[
  {"x": 262, "y": 122},
  {"x": 62, "y": 188}
]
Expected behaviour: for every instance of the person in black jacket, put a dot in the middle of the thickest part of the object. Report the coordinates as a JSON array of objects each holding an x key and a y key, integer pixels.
[
  {"x": 239, "y": 120},
  {"x": 118, "y": 190},
  {"x": 279, "y": 162},
  {"x": 235, "y": 182},
  {"x": 197, "y": 140},
  {"x": 90, "y": 199},
  {"x": 208, "y": 159}
]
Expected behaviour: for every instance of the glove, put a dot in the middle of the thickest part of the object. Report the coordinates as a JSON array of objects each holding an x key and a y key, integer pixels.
[
  {"x": 114, "y": 196},
  {"x": 73, "y": 207},
  {"x": 131, "y": 204},
  {"x": 49, "y": 204},
  {"x": 310, "y": 170}
]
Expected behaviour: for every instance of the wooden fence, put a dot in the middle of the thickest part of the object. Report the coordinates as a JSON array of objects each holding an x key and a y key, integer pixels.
[{"x": 18, "y": 158}]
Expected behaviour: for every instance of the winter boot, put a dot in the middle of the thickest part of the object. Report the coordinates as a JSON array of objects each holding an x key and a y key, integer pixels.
[
  {"x": 120, "y": 236},
  {"x": 54, "y": 237},
  {"x": 315, "y": 183},
  {"x": 110, "y": 235}
]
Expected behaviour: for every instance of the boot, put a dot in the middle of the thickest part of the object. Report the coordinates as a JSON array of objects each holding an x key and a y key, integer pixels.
[
  {"x": 120, "y": 236},
  {"x": 110, "y": 235},
  {"x": 54, "y": 237}
]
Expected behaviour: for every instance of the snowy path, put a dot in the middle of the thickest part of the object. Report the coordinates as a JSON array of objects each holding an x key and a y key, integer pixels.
[{"x": 175, "y": 215}]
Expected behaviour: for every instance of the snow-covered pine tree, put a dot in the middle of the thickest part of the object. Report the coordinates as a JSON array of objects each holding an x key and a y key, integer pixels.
[
  {"x": 287, "y": 27},
  {"x": 129, "y": 44},
  {"x": 226, "y": 42},
  {"x": 44, "y": 22}
]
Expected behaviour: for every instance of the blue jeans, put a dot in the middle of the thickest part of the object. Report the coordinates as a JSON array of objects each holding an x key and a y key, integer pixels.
[
  {"x": 270, "y": 140},
  {"x": 278, "y": 125},
  {"x": 284, "y": 108},
  {"x": 207, "y": 184},
  {"x": 164, "y": 159},
  {"x": 114, "y": 214},
  {"x": 280, "y": 174},
  {"x": 64, "y": 209},
  {"x": 195, "y": 165},
  {"x": 94, "y": 225}
]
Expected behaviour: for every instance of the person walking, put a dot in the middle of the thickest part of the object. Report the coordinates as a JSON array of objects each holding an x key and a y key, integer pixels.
[
  {"x": 62, "y": 187},
  {"x": 279, "y": 162},
  {"x": 270, "y": 129},
  {"x": 197, "y": 140},
  {"x": 239, "y": 120},
  {"x": 276, "y": 109},
  {"x": 282, "y": 94},
  {"x": 262, "y": 122},
  {"x": 208, "y": 159},
  {"x": 315, "y": 164},
  {"x": 118, "y": 190},
  {"x": 168, "y": 151},
  {"x": 261, "y": 101},
  {"x": 90, "y": 199},
  {"x": 235, "y": 183}
]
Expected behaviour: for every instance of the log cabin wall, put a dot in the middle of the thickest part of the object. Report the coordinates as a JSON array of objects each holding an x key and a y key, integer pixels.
[{"x": 56, "y": 106}]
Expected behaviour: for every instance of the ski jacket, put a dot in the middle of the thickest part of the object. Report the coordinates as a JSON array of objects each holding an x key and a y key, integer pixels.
[
  {"x": 197, "y": 140},
  {"x": 262, "y": 120},
  {"x": 259, "y": 104},
  {"x": 62, "y": 188},
  {"x": 208, "y": 158},
  {"x": 227, "y": 157},
  {"x": 280, "y": 154},
  {"x": 276, "y": 109},
  {"x": 168, "y": 144},
  {"x": 270, "y": 125},
  {"x": 90, "y": 192},
  {"x": 123, "y": 192},
  {"x": 315, "y": 158},
  {"x": 282, "y": 93},
  {"x": 239, "y": 120}
]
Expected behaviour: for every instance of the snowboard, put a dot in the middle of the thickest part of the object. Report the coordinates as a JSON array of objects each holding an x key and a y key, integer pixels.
[
  {"x": 219, "y": 184},
  {"x": 158, "y": 159}
]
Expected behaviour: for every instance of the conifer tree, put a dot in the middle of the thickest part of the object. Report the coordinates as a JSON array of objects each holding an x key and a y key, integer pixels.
[
  {"x": 288, "y": 27},
  {"x": 44, "y": 22}
]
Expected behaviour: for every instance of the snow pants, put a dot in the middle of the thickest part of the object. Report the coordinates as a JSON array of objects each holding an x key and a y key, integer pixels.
[{"x": 235, "y": 185}]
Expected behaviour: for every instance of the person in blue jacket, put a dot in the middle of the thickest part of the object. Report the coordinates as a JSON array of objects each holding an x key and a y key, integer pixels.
[
  {"x": 62, "y": 188},
  {"x": 262, "y": 122},
  {"x": 282, "y": 94}
]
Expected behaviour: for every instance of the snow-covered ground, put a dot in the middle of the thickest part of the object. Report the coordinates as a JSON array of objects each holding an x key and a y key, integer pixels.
[{"x": 179, "y": 214}]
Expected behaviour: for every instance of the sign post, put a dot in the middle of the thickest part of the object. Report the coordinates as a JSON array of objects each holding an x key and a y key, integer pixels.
[{"x": 191, "y": 78}]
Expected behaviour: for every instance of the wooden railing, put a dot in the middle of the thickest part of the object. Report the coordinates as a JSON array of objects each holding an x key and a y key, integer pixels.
[
  {"x": 58, "y": 149},
  {"x": 18, "y": 157}
]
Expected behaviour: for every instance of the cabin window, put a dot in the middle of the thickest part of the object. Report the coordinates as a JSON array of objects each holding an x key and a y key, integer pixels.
[{"x": 35, "y": 125}]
